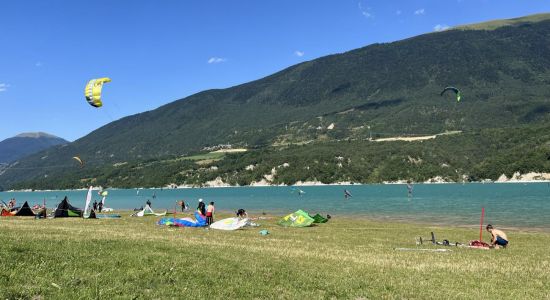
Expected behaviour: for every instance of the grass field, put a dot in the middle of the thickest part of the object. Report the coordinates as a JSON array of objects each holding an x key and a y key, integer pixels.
[{"x": 132, "y": 258}]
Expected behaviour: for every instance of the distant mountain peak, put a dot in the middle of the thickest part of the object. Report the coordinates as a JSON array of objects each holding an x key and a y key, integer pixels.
[
  {"x": 36, "y": 135},
  {"x": 27, "y": 143}
]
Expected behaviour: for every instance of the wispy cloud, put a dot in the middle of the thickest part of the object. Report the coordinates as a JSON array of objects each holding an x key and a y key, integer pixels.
[
  {"x": 299, "y": 53},
  {"x": 441, "y": 27},
  {"x": 398, "y": 12},
  {"x": 4, "y": 87},
  {"x": 216, "y": 60},
  {"x": 38, "y": 64},
  {"x": 419, "y": 11},
  {"x": 365, "y": 11}
]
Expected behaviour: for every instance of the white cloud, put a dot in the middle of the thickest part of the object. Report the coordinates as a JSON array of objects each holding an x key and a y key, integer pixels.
[
  {"x": 3, "y": 87},
  {"x": 398, "y": 12},
  {"x": 38, "y": 64},
  {"x": 420, "y": 11},
  {"x": 365, "y": 11},
  {"x": 441, "y": 27},
  {"x": 299, "y": 53},
  {"x": 216, "y": 60}
]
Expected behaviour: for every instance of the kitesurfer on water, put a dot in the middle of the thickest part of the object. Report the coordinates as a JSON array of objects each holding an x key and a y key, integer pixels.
[
  {"x": 498, "y": 237},
  {"x": 347, "y": 194}
]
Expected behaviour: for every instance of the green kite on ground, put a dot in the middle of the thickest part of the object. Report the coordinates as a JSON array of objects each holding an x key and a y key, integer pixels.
[{"x": 299, "y": 218}]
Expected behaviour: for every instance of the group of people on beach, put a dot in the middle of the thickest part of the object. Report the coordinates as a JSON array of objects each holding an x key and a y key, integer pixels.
[
  {"x": 207, "y": 211},
  {"x": 98, "y": 206}
]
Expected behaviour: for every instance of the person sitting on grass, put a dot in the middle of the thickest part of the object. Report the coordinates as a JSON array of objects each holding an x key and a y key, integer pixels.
[{"x": 498, "y": 237}]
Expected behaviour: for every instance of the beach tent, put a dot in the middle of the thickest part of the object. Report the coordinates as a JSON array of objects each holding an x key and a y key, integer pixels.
[
  {"x": 229, "y": 224},
  {"x": 319, "y": 219},
  {"x": 200, "y": 221},
  {"x": 299, "y": 218},
  {"x": 64, "y": 210},
  {"x": 147, "y": 211},
  {"x": 25, "y": 211}
]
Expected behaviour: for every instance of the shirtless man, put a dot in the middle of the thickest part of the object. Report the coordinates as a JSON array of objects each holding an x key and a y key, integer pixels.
[{"x": 498, "y": 237}]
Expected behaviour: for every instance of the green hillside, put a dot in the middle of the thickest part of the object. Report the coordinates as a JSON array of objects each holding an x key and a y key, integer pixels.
[
  {"x": 473, "y": 156},
  {"x": 492, "y": 25},
  {"x": 381, "y": 90}
]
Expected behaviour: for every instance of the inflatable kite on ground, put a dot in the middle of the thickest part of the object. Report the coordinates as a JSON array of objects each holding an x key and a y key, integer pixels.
[
  {"x": 320, "y": 219},
  {"x": 93, "y": 91},
  {"x": 7, "y": 213},
  {"x": 184, "y": 222},
  {"x": 455, "y": 90},
  {"x": 299, "y": 218},
  {"x": 25, "y": 211},
  {"x": 107, "y": 216},
  {"x": 147, "y": 211},
  {"x": 229, "y": 224},
  {"x": 64, "y": 210}
]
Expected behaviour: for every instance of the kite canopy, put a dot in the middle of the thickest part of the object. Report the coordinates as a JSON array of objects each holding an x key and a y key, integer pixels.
[
  {"x": 299, "y": 218},
  {"x": 319, "y": 219},
  {"x": 93, "y": 91},
  {"x": 184, "y": 222},
  {"x": 229, "y": 224},
  {"x": 79, "y": 160},
  {"x": 25, "y": 211},
  {"x": 147, "y": 211},
  {"x": 64, "y": 210},
  {"x": 453, "y": 89},
  {"x": 6, "y": 213}
]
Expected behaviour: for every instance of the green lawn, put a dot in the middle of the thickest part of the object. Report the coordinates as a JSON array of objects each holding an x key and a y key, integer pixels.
[{"x": 132, "y": 258}]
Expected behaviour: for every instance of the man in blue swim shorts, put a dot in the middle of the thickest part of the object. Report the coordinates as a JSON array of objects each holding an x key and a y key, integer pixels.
[{"x": 498, "y": 237}]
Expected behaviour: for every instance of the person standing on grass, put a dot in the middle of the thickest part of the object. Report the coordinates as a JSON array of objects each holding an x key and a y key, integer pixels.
[
  {"x": 201, "y": 208},
  {"x": 210, "y": 214},
  {"x": 498, "y": 237}
]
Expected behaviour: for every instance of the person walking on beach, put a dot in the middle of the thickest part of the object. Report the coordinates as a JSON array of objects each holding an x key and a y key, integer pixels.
[
  {"x": 498, "y": 237},
  {"x": 201, "y": 208},
  {"x": 210, "y": 214}
]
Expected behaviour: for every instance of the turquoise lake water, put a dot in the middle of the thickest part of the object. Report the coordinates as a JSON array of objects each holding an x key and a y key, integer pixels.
[{"x": 506, "y": 204}]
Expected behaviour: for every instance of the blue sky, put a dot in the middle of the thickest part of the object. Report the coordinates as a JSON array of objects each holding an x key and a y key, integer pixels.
[{"x": 159, "y": 51}]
